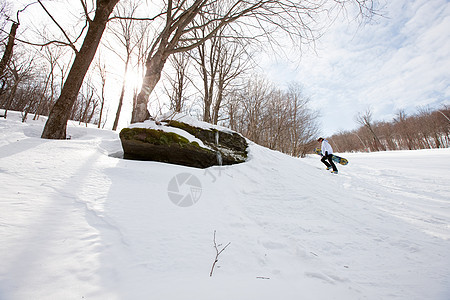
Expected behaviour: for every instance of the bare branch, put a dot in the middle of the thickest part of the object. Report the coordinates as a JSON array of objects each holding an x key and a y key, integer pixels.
[
  {"x": 38, "y": 44},
  {"x": 22, "y": 10},
  {"x": 86, "y": 13},
  {"x": 218, "y": 252},
  {"x": 70, "y": 43}
]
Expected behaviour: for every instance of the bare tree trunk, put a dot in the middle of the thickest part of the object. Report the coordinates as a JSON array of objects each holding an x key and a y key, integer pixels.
[
  {"x": 11, "y": 96},
  {"x": 155, "y": 66},
  {"x": 366, "y": 120},
  {"x": 208, "y": 82},
  {"x": 216, "y": 108},
  {"x": 55, "y": 128},
  {"x": 85, "y": 114},
  {"x": 102, "y": 103},
  {"x": 52, "y": 58},
  {"x": 122, "y": 94},
  {"x": 178, "y": 84},
  {"x": 9, "y": 48},
  {"x": 41, "y": 98},
  {"x": 127, "y": 37},
  {"x": 119, "y": 107}
]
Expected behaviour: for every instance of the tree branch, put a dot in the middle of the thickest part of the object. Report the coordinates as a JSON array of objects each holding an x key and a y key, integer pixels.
[
  {"x": 86, "y": 13},
  {"x": 59, "y": 26},
  {"x": 218, "y": 252}
]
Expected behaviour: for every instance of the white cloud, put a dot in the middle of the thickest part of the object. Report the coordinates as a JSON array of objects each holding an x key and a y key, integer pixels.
[{"x": 401, "y": 61}]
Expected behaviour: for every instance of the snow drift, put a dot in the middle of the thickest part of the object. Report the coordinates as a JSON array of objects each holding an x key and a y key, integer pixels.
[{"x": 76, "y": 222}]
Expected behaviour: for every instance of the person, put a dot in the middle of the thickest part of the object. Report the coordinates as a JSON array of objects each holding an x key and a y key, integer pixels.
[{"x": 327, "y": 154}]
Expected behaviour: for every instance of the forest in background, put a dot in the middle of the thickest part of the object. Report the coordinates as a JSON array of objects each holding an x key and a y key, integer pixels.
[{"x": 426, "y": 129}]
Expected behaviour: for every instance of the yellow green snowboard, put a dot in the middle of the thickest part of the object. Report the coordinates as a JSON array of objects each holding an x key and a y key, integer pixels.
[{"x": 335, "y": 158}]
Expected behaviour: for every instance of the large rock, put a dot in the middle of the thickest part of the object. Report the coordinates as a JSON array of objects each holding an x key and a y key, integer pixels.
[{"x": 158, "y": 144}]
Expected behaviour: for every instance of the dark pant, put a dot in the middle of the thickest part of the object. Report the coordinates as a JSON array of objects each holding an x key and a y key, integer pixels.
[{"x": 330, "y": 160}]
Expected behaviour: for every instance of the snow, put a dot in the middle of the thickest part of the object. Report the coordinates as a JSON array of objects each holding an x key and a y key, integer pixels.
[
  {"x": 161, "y": 124},
  {"x": 162, "y": 127},
  {"x": 182, "y": 117},
  {"x": 77, "y": 222}
]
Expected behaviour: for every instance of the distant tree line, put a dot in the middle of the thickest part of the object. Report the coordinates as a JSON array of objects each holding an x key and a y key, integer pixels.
[{"x": 426, "y": 129}]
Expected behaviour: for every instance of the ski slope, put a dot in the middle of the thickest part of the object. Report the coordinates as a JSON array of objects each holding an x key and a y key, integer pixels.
[{"x": 77, "y": 222}]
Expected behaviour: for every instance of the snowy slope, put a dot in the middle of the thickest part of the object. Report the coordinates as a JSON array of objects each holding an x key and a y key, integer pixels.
[{"x": 76, "y": 222}]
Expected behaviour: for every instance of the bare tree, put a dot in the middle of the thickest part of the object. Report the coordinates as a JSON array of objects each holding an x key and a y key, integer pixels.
[
  {"x": 254, "y": 100},
  {"x": 52, "y": 55},
  {"x": 124, "y": 34},
  {"x": 219, "y": 61},
  {"x": 277, "y": 118},
  {"x": 207, "y": 65},
  {"x": 5, "y": 10},
  {"x": 303, "y": 127},
  {"x": 365, "y": 119},
  {"x": 179, "y": 82},
  {"x": 274, "y": 118},
  {"x": 9, "y": 48},
  {"x": 11, "y": 38},
  {"x": 88, "y": 103},
  {"x": 402, "y": 122},
  {"x": 34, "y": 94},
  {"x": 234, "y": 61},
  {"x": 143, "y": 49},
  {"x": 55, "y": 128},
  {"x": 102, "y": 72},
  {"x": 20, "y": 70}
]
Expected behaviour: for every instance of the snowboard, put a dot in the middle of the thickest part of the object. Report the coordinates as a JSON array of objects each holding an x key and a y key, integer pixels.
[{"x": 335, "y": 158}]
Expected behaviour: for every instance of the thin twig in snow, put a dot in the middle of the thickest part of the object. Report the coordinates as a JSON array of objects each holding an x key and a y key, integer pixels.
[{"x": 218, "y": 252}]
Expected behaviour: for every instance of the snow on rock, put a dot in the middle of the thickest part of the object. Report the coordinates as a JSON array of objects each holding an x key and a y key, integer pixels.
[
  {"x": 183, "y": 141},
  {"x": 150, "y": 124},
  {"x": 181, "y": 117},
  {"x": 76, "y": 222},
  {"x": 160, "y": 123}
]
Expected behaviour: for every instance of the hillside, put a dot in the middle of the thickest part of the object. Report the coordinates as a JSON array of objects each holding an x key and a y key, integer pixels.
[{"x": 76, "y": 222}]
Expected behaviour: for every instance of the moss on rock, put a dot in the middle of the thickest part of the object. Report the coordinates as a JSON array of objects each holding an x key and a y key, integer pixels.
[
  {"x": 231, "y": 140},
  {"x": 156, "y": 137}
]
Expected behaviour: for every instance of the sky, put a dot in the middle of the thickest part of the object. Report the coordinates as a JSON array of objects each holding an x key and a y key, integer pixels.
[{"x": 400, "y": 60}]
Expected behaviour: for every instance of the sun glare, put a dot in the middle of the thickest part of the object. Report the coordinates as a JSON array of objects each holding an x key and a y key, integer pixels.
[{"x": 134, "y": 79}]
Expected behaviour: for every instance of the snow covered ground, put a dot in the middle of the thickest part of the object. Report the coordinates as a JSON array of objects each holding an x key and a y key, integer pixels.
[{"x": 76, "y": 222}]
